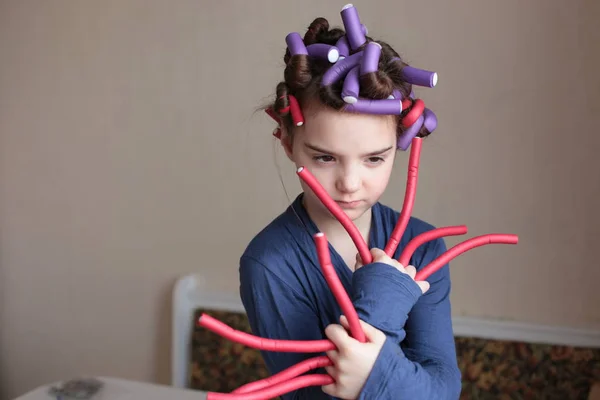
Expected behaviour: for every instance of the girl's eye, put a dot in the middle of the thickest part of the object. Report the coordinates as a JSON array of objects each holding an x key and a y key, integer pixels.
[
  {"x": 324, "y": 158},
  {"x": 375, "y": 160}
]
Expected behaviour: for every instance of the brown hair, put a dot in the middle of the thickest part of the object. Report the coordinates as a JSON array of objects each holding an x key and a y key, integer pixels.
[{"x": 303, "y": 75}]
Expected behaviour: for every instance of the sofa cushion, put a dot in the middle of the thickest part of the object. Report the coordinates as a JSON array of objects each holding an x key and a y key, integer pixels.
[{"x": 219, "y": 364}]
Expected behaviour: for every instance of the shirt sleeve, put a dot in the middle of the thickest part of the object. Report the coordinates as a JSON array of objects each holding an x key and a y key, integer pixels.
[
  {"x": 383, "y": 297},
  {"x": 275, "y": 310},
  {"x": 424, "y": 365}
]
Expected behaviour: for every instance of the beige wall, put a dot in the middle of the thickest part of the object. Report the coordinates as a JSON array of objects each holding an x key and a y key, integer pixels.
[{"x": 115, "y": 115}]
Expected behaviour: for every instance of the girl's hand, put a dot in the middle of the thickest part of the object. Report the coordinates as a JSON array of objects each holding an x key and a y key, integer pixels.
[
  {"x": 352, "y": 360},
  {"x": 381, "y": 257}
]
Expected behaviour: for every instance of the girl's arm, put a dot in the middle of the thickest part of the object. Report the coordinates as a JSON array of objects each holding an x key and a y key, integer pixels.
[
  {"x": 424, "y": 366},
  {"x": 277, "y": 311},
  {"x": 384, "y": 292}
]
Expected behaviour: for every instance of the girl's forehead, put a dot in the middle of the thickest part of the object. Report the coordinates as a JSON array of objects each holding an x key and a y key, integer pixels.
[
  {"x": 333, "y": 124},
  {"x": 347, "y": 133}
]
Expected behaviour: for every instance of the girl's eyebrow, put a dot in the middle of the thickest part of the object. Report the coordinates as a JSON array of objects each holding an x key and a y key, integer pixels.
[
  {"x": 373, "y": 153},
  {"x": 379, "y": 152}
]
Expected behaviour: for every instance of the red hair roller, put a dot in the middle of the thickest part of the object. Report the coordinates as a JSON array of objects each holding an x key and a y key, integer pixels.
[
  {"x": 273, "y": 115},
  {"x": 295, "y": 110},
  {"x": 415, "y": 112},
  {"x": 287, "y": 374}
]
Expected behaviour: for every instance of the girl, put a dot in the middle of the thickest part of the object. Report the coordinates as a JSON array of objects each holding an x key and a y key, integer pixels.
[{"x": 330, "y": 126}]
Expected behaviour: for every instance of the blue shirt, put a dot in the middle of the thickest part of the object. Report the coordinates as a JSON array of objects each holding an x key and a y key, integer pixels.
[{"x": 286, "y": 297}]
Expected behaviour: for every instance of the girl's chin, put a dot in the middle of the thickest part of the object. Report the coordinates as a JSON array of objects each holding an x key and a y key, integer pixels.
[{"x": 354, "y": 212}]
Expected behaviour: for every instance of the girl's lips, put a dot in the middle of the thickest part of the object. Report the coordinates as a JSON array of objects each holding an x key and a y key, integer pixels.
[{"x": 349, "y": 204}]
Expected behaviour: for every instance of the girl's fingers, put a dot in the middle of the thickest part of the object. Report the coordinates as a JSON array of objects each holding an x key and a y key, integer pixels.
[
  {"x": 344, "y": 322},
  {"x": 338, "y": 335},
  {"x": 331, "y": 371},
  {"x": 424, "y": 285},
  {"x": 333, "y": 355},
  {"x": 373, "y": 334},
  {"x": 359, "y": 262},
  {"x": 330, "y": 389},
  {"x": 412, "y": 272}
]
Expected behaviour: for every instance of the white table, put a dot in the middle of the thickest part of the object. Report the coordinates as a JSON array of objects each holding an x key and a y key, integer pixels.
[{"x": 121, "y": 389}]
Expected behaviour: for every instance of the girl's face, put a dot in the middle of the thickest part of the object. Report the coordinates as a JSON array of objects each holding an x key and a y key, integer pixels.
[{"x": 351, "y": 155}]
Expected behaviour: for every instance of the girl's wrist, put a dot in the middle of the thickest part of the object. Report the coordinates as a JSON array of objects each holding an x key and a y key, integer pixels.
[
  {"x": 383, "y": 297},
  {"x": 379, "y": 272}
]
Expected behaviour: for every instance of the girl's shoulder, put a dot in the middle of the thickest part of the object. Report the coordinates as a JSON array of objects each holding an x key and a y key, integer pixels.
[
  {"x": 279, "y": 255},
  {"x": 281, "y": 240},
  {"x": 270, "y": 240}
]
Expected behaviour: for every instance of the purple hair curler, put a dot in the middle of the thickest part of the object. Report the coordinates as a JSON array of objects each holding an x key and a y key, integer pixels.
[
  {"x": 295, "y": 44},
  {"x": 370, "y": 60},
  {"x": 354, "y": 30},
  {"x": 340, "y": 68},
  {"x": 430, "y": 120},
  {"x": 419, "y": 77},
  {"x": 322, "y": 50},
  {"x": 364, "y": 29},
  {"x": 351, "y": 86},
  {"x": 397, "y": 94},
  {"x": 384, "y": 107},
  {"x": 408, "y": 135},
  {"x": 343, "y": 46}
]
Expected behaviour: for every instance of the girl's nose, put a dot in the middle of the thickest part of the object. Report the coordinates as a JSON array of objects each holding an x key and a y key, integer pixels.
[{"x": 349, "y": 181}]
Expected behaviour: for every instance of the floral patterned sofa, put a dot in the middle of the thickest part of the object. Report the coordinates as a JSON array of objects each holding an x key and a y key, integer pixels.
[{"x": 491, "y": 369}]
